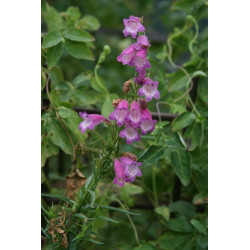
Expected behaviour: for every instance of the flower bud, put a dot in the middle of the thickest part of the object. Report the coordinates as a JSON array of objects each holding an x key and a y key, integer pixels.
[
  {"x": 143, "y": 104},
  {"x": 130, "y": 156},
  {"x": 107, "y": 49},
  {"x": 116, "y": 102},
  {"x": 126, "y": 86}
]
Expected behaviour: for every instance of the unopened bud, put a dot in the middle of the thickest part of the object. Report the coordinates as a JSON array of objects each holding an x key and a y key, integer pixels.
[
  {"x": 106, "y": 49},
  {"x": 116, "y": 102},
  {"x": 130, "y": 156},
  {"x": 126, "y": 86},
  {"x": 143, "y": 104}
]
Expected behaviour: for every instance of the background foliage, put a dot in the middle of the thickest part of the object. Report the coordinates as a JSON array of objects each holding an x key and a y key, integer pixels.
[{"x": 171, "y": 197}]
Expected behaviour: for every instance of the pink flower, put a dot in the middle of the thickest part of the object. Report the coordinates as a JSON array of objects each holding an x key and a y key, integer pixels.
[
  {"x": 127, "y": 55},
  {"x": 132, "y": 26},
  {"x": 142, "y": 42},
  {"x": 90, "y": 121},
  {"x": 147, "y": 124},
  {"x": 130, "y": 133},
  {"x": 140, "y": 60},
  {"x": 141, "y": 76},
  {"x": 120, "y": 114},
  {"x": 135, "y": 114},
  {"x": 131, "y": 168},
  {"x": 149, "y": 89},
  {"x": 119, "y": 173}
]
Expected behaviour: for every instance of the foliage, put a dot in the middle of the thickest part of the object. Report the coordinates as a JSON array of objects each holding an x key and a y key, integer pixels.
[{"x": 167, "y": 208}]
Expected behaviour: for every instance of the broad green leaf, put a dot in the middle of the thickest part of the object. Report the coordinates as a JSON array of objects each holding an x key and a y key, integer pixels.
[
  {"x": 55, "y": 74},
  {"x": 64, "y": 112},
  {"x": 179, "y": 225},
  {"x": 74, "y": 12},
  {"x": 53, "y": 19},
  {"x": 107, "y": 107},
  {"x": 194, "y": 133},
  {"x": 78, "y": 50},
  {"x": 52, "y": 39},
  {"x": 98, "y": 84},
  {"x": 92, "y": 194},
  {"x": 181, "y": 164},
  {"x": 81, "y": 80},
  {"x": 200, "y": 227},
  {"x": 81, "y": 98},
  {"x": 163, "y": 211},
  {"x": 118, "y": 209},
  {"x": 183, "y": 207},
  {"x": 47, "y": 149},
  {"x": 53, "y": 54},
  {"x": 77, "y": 35},
  {"x": 55, "y": 97},
  {"x": 152, "y": 154},
  {"x": 89, "y": 22},
  {"x": 57, "y": 135},
  {"x": 182, "y": 121},
  {"x": 60, "y": 197}
]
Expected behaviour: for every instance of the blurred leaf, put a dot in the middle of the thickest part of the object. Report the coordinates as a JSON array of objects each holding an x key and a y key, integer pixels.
[
  {"x": 43, "y": 80},
  {"x": 58, "y": 135},
  {"x": 52, "y": 39},
  {"x": 145, "y": 246},
  {"x": 77, "y": 35},
  {"x": 201, "y": 228},
  {"x": 74, "y": 12},
  {"x": 107, "y": 106},
  {"x": 60, "y": 197},
  {"x": 47, "y": 149},
  {"x": 55, "y": 97},
  {"x": 53, "y": 54},
  {"x": 92, "y": 195},
  {"x": 118, "y": 209},
  {"x": 130, "y": 189},
  {"x": 182, "y": 121},
  {"x": 152, "y": 154},
  {"x": 78, "y": 50},
  {"x": 194, "y": 132},
  {"x": 88, "y": 181},
  {"x": 183, "y": 207},
  {"x": 98, "y": 85},
  {"x": 176, "y": 108},
  {"x": 89, "y": 22},
  {"x": 187, "y": 5},
  {"x": 202, "y": 241},
  {"x": 163, "y": 211},
  {"x": 181, "y": 164},
  {"x": 179, "y": 225},
  {"x": 108, "y": 219},
  {"x": 81, "y": 80},
  {"x": 55, "y": 74}
]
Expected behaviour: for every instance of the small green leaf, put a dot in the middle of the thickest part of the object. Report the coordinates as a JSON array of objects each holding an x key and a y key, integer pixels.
[
  {"x": 200, "y": 227},
  {"x": 108, "y": 219},
  {"x": 89, "y": 22},
  {"x": 88, "y": 181},
  {"x": 182, "y": 121},
  {"x": 53, "y": 54},
  {"x": 78, "y": 50},
  {"x": 52, "y": 39},
  {"x": 163, "y": 211},
  {"x": 74, "y": 12},
  {"x": 77, "y": 35},
  {"x": 181, "y": 164},
  {"x": 92, "y": 194}
]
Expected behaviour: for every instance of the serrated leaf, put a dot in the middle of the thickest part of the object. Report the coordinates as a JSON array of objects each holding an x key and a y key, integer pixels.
[
  {"x": 163, "y": 211},
  {"x": 77, "y": 35},
  {"x": 89, "y": 22},
  {"x": 53, "y": 54},
  {"x": 52, "y": 39},
  {"x": 78, "y": 50},
  {"x": 182, "y": 121},
  {"x": 200, "y": 227},
  {"x": 181, "y": 164}
]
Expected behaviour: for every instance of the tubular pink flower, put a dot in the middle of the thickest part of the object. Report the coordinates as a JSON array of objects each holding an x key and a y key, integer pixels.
[
  {"x": 142, "y": 42},
  {"x": 130, "y": 133},
  {"x": 127, "y": 54},
  {"x": 141, "y": 76},
  {"x": 120, "y": 114},
  {"x": 132, "y": 26},
  {"x": 131, "y": 168},
  {"x": 149, "y": 89},
  {"x": 135, "y": 114},
  {"x": 90, "y": 121},
  {"x": 147, "y": 124},
  {"x": 140, "y": 60},
  {"x": 119, "y": 173}
]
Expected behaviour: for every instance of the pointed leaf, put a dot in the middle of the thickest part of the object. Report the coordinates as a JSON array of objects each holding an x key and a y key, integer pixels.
[
  {"x": 77, "y": 35},
  {"x": 52, "y": 39},
  {"x": 53, "y": 54},
  {"x": 182, "y": 121},
  {"x": 89, "y": 22}
]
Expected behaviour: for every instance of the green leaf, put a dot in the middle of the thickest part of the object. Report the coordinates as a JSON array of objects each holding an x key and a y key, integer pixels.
[
  {"x": 92, "y": 194},
  {"x": 200, "y": 227},
  {"x": 152, "y": 154},
  {"x": 81, "y": 80},
  {"x": 60, "y": 197},
  {"x": 179, "y": 225},
  {"x": 88, "y": 181},
  {"x": 183, "y": 207},
  {"x": 55, "y": 74},
  {"x": 95, "y": 241},
  {"x": 163, "y": 211},
  {"x": 108, "y": 219},
  {"x": 47, "y": 149},
  {"x": 194, "y": 133},
  {"x": 118, "y": 209},
  {"x": 74, "y": 12},
  {"x": 181, "y": 164},
  {"x": 89, "y": 22},
  {"x": 202, "y": 241},
  {"x": 57, "y": 135},
  {"x": 43, "y": 80},
  {"x": 130, "y": 189},
  {"x": 53, "y": 54},
  {"x": 55, "y": 97},
  {"x": 77, "y": 35},
  {"x": 107, "y": 107},
  {"x": 78, "y": 50},
  {"x": 52, "y": 39},
  {"x": 182, "y": 121}
]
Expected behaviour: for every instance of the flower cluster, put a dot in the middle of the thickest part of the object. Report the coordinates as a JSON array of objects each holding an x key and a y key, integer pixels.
[{"x": 133, "y": 115}]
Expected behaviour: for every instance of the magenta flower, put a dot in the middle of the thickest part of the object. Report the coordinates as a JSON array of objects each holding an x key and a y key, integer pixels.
[
  {"x": 135, "y": 114},
  {"x": 140, "y": 60},
  {"x": 147, "y": 124},
  {"x": 142, "y": 42},
  {"x": 90, "y": 121},
  {"x": 131, "y": 168},
  {"x": 141, "y": 76},
  {"x": 120, "y": 114},
  {"x": 127, "y": 55},
  {"x": 119, "y": 173},
  {"x": 132, "y": 26},
  {"x": 149, "y": 89},
  {"x": 130, "y": 133}
]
